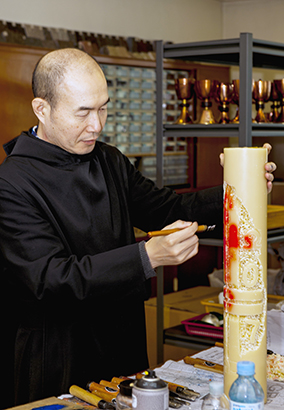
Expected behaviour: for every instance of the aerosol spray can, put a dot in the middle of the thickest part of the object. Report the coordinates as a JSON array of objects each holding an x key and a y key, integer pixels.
[{"x": 150, "y": 392}]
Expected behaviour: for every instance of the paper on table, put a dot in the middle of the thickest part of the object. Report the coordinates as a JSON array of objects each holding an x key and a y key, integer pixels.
[
  {"x": 214, "y": 354},
  {"x": 198, "y": 380},
  {"x": 188, "y": 376},
  {"x": 275, "y": 331}
]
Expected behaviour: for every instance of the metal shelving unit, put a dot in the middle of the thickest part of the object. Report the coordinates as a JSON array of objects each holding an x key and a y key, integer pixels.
[
  {"x": 245, "y": 52},
  {"x": 132, "y": 119}
]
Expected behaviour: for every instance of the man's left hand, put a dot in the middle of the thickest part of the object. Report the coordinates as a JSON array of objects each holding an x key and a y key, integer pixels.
[{"x": 269, "y": 167}]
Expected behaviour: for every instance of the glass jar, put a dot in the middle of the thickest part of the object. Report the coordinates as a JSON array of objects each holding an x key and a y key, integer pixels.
[{"x": 124, "y": 397}]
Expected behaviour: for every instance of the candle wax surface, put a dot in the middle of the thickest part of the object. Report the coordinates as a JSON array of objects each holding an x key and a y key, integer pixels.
[{"x": 245, "y": 259}]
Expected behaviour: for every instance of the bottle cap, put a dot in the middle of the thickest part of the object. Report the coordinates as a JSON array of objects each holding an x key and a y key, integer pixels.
[
  {"x": 216, "y": 388},
  {"x": 245, "y": 368},
  {"x": 126, "y": 387},
  {"x": 150, "y": 381}
]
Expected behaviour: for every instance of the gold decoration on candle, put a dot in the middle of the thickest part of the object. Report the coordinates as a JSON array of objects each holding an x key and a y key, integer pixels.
[{"x": 245, "y": 264}]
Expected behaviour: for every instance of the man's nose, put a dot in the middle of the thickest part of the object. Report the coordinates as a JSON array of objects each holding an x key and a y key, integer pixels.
[{"x": 94, "y": 123}]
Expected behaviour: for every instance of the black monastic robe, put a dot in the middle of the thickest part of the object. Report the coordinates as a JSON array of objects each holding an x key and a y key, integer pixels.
[{"x": 74, "y": 284}]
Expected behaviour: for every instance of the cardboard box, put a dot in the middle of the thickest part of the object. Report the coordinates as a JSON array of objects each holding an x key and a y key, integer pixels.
[
  {"x": 178, "y": 306},
  {"x": 277, "y": 193},
  {"x": 275, "y": 216}
]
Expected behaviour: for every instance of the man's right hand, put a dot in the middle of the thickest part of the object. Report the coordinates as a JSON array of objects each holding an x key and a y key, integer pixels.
[{"x": 175, "y": 248}]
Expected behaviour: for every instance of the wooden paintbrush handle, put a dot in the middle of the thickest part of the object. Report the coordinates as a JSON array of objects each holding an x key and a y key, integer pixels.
[
  {"x": 84, "y": 395},
  {"x": 111, "y": 385},
  {"x": 201, "y": 228},
  {"x": 173, "y": 386},
  {"x": 118, "y": 380},
  {"x": 98, "y": 388},
  {"x": 109, "y": 397},
  {"x": 214, "y": 367},
  {"x": 210, "y": 369}
]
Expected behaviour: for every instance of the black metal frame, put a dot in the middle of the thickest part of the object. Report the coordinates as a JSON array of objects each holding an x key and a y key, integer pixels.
[{"x": 245, "y": 52}]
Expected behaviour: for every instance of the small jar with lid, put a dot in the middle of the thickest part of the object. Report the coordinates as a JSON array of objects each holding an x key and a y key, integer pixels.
[{"x": 124, "y": 397}]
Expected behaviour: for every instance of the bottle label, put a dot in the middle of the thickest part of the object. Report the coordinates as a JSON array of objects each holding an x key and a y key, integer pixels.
[{"x": 246, "y": 406}]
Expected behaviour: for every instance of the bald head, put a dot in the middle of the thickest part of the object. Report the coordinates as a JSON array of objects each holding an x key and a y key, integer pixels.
[{"x": 52, "y": 69}]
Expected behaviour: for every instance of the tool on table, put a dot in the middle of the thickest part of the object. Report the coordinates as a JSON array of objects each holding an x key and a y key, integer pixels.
[
  {"x": 204, "y": 364},
  {"x": 178, "y": 395},
  {"x": 173, "y": 404},
  {"x": 90, "y": 398},
  {"x": 104, "y": 392},
  {"x": 183, "y": 392},
  {"x": 177, "y": 398},
  {"x": 118, "y": 380},
  {"x": 163, "y": 232},
  {"x": 109, "y": 385}
]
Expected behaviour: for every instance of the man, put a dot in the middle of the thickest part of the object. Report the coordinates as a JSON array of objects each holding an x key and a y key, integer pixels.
[{"x": 75, "y": 279}]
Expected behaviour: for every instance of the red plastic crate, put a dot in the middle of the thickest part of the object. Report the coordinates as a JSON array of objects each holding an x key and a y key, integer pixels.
[{"x": 200, "y": 329}]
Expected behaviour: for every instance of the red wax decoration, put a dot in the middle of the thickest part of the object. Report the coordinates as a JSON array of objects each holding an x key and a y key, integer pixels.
[
  {"x": 233, "y": 236},
  {"x": 248, "y": 242}
]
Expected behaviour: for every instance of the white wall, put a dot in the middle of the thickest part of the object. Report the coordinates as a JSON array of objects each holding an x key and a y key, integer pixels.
[
  {"x": 170, "y": 20},
  {"x": 174, "y": 20},
  {"x": 262, "y": 18}
]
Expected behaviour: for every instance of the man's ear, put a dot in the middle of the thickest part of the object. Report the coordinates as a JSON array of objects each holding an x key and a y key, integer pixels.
[{"x": 41, "y": 108}]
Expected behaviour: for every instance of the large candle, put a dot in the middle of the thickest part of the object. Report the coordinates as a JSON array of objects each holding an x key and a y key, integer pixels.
[{"x": 245, "y": 262}]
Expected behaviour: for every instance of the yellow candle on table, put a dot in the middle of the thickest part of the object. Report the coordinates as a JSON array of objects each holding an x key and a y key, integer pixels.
[{"x": 245, "y": 262}]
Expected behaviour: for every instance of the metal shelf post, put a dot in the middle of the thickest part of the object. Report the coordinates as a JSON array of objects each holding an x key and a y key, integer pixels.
[
  {"x": 160, "y": 178},
  {"x": 245, "y": 126}
]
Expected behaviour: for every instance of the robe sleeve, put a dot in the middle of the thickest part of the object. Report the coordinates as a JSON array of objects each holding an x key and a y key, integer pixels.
[
  {"x": 154, "y": 208},
  {"x": 39, "y": 262}
]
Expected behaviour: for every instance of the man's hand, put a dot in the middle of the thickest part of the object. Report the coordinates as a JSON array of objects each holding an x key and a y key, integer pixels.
[
  {"x": 175, "y": 248},
  {"x": 269, "y": 167}
]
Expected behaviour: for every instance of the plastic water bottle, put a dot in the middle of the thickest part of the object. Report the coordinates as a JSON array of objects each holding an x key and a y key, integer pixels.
[
  {"x": 246, "y": 393},
  {"x": 213, "y": 400}
]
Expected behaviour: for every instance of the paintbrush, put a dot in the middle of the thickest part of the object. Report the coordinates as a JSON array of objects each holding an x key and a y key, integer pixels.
[
  {"x": 204, "y": 364},
  {"x": 90, "y": 398},
  {"x": 201, "y": 228},
  {"x": 183, "y": 392}
]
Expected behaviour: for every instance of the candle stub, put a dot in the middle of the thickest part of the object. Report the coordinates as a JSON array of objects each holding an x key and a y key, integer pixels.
[{"x": 245, "y": 261}]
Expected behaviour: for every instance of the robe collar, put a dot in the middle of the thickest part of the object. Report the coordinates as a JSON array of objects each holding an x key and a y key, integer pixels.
[{"x": 30, "y": 146}]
